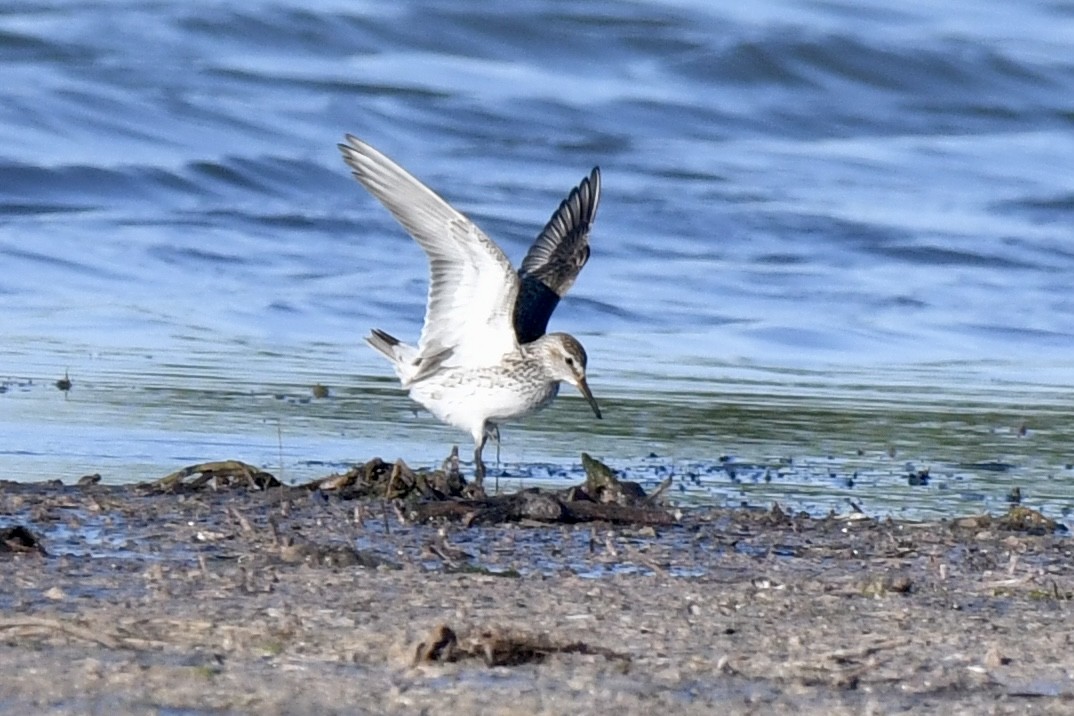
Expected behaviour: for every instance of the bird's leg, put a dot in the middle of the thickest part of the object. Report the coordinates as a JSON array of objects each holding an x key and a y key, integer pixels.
[
  {"x": 492, "y": 430},
  {"x": 479, "y": 466}
]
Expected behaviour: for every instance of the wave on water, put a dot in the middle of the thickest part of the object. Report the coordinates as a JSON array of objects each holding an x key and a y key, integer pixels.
[{"x": 850, "y": 189}]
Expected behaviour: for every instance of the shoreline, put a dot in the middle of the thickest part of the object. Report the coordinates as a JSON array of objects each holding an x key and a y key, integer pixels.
[{"x": 239, "y": 601}]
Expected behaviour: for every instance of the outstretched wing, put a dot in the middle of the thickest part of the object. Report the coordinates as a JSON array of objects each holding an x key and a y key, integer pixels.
[
  {"x": 472, "y": 286},
  {"x": 555, "y": 259}
]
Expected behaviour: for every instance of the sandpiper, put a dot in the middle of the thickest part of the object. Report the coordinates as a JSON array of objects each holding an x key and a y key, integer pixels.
[{"x": 483, "y": 355}]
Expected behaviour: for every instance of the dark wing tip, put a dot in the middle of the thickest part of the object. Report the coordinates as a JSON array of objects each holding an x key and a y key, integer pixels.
[
  {"x": 351, "y": 145},
  {"x": 352, "y": 142},
  {"x": 562, "y": 248},
  {"x": 580, "y": 206},
  {"x": 354, "y": 152},
  {"x": 585, "y": 198},
  {"x": 594, "y": 180},
  {"x": 556, "y": 258}
]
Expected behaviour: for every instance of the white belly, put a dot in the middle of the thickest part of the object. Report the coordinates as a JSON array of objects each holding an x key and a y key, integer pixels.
[{"x": 467, "y": 399}]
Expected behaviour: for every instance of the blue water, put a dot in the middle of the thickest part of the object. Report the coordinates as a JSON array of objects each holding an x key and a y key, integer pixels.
[{"x": 826, "y": 228}]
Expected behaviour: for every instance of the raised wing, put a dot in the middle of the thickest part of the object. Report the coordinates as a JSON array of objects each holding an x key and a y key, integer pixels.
[
  {"x": 472, "y": 285},
  {"x": 555, "y": 259}
]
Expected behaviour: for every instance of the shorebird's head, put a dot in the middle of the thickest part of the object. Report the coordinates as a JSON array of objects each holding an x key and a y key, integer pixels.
[{"x": 565, "y": 359}]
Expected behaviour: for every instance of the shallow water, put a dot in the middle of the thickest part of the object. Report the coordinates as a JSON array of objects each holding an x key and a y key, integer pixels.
[{"x": 825, "y": 229}]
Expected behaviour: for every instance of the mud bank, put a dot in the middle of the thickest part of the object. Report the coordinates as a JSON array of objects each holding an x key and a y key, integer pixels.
[{"x": 282, "y": 600}]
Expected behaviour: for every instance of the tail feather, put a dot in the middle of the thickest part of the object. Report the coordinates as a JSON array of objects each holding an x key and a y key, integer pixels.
[
  {"x": 408, "y": 363},
  {"x": 399, "y": 354},
  {"x": 384, "y": 343}
]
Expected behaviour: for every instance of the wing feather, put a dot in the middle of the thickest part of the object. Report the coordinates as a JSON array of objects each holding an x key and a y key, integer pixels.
[
  {"x": 555, "y": 259},
  {"x": 472, "y": 285}
]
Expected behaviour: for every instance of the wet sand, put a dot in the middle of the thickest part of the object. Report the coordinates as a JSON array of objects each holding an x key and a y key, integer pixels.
[{"x": 287, "y": 601}]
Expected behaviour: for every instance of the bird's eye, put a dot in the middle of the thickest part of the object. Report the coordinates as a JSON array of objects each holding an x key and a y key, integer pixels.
[{"x": 570, "y": 361}]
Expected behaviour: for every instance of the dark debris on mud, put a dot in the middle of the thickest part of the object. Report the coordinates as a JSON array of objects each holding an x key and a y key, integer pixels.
[
  {"x": 19, "y": 539},
  {"x": 501, "y": 647},
  {"x": 444, "y": 494}
]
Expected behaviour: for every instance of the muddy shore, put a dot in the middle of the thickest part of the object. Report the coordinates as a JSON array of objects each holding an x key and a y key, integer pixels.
[{"x": 236, "y": 600}]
